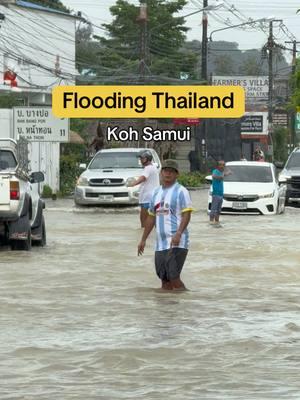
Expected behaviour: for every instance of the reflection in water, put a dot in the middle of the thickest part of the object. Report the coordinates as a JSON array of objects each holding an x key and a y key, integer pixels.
[{"x": 83, "y": 318}]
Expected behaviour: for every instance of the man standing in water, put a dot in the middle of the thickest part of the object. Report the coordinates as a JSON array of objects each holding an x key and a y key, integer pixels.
[
  {"x": 170, "y": 211},
  {"x": 217, "y": 193},
  {"x": 149, "y": 180}
]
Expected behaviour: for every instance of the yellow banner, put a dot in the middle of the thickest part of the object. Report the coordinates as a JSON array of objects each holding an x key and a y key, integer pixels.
[{"x": 148, "y": 101}]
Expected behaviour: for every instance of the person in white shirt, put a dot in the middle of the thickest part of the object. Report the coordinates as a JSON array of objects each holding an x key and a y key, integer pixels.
[
  {"x": 149, "y": 180},
  {"x": 170, "y": 212}
]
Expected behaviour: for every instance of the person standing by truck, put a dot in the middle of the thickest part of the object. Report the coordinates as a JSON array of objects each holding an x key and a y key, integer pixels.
[{"x": 149, "y": 180}]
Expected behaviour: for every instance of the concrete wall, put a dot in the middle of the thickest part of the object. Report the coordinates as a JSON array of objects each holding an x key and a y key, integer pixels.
[{"x": 39, "y": 45}]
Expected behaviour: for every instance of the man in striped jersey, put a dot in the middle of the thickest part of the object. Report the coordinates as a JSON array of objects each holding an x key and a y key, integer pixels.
[{"x": 170, "y": 212}]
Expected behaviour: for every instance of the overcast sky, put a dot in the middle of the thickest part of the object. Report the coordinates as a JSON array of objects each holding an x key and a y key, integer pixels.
[{"x": 232, "y": 11}]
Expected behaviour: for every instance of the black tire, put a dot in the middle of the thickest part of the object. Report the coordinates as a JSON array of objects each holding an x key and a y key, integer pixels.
[{"x": 43, "y": 241}]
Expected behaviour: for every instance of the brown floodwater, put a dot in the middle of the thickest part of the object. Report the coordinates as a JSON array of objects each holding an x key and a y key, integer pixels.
[{"x": 83, "y": 319}]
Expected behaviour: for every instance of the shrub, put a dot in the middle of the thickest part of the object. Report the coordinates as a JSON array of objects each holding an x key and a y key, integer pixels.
[
  {"x": 191, "y": 179},
  {"x": 69, "y": 172},
  {"x": 47, "y": 192},
  {"x": 71, "y": 156}
]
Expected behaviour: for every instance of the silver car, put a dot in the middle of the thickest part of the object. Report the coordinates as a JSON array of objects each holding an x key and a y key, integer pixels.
[
  {"x": 107, "y": 175},
  {"x": 290, "y": 176}
]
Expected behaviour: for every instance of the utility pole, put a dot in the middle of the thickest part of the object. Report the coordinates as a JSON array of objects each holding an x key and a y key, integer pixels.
[
  {"x": 271, "y": 45},
  {"x": 292, "y": 114},
  {"x": 204, "y": 42},
  {"x": 142, "y": 20},
  {"x": 201, "y": 142}
]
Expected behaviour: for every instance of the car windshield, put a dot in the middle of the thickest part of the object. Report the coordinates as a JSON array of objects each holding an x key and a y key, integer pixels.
[
  {"x": 116, "y": 160},
  {"x": 294, "y": 161},
  {"x": 7, "y": 160},
  {"x": 249, "y": 173}
]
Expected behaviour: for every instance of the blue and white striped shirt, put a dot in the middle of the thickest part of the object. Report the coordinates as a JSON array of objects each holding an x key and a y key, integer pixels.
[{"x": 167, "y": 205}]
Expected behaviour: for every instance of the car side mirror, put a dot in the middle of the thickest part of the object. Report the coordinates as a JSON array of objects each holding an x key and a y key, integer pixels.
[
  {"x": 82, "y": 166},
  {"x": 37, "y": 177}
]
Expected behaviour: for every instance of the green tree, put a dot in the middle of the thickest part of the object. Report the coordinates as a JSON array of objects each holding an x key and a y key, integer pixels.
[
  {"x": 295, "y": 98},
  {"x": 280, "y": 144},
  {"x": 87, "y": 51},
  {"x": 225, "y": 65},
  {"x": 120, "y": 51}
]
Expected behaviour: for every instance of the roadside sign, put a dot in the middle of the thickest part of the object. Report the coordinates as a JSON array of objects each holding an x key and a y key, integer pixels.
[
  {"x": 254, "y": 123},
  {"x": 297, "y": 121},
  {"x": 256, "y": 87},
  {"x": 37, "y": 124},
  {"x": 186, "y": 121},
  {"x": 280, "y": 119}
]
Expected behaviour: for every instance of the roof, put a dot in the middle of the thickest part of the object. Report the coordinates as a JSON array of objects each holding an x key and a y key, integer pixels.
[
  {"x": 125, "y": 149},
  {"x": 249, "y": 163},
  {"x": 27, "y": 4},
  {"x": 76, "y": 138}
]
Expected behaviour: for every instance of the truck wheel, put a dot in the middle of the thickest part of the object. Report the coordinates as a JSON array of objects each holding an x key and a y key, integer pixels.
[{"x": 42, "y": 242}]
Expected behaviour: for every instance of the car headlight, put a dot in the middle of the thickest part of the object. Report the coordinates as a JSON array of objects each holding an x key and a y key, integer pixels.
[
  {"x": 82, "y": 181},
  {"x": 267, "y": 196},
  {"x": 283, "y": 178},
  {"x": 130, "y": 181}
]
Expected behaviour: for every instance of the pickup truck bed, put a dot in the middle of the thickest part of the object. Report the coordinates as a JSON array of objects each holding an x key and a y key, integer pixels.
[{"x": 21, "y": 209}]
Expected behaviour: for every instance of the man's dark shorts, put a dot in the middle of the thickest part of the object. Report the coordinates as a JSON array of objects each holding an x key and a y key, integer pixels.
[
  {"x": 216, "y": 206},
  {"x": 169, "y": 263}
]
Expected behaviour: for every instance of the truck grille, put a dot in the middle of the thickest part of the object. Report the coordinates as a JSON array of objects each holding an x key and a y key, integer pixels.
[
  {"x": 106, "y": 182},
  {"x": 295, "y": 182},
  {"x": 236, "y": 197},
  {"x": 95, "y": 195}
]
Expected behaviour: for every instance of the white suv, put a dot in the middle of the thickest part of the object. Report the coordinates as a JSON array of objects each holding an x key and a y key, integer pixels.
[
  {"x": 106, "y": 177},
  {"x": 290, "y": 175}
]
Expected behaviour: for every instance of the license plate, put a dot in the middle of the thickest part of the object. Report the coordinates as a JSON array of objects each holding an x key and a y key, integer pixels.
[
  {"x": 239, "y": 205},
  {"x": 106, "y": 197}
]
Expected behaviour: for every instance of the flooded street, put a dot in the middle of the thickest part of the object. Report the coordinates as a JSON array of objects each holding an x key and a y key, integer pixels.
[{"x": 82, "y": 318}]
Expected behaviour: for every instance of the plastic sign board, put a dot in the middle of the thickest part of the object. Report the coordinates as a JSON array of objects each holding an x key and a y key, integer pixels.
[
  {"x": 38, "y": 124},
  {"x": 256, "y": 87},
  {"x": 254, "y": 123}
]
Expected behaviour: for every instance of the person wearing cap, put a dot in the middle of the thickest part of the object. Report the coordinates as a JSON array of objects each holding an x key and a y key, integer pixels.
[
  {"x": 149, "y": 180},
  {"x": 170, "y": 212}
]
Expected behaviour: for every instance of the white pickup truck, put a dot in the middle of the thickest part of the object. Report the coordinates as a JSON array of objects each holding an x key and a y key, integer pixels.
[{"x": 21, "y": 208}]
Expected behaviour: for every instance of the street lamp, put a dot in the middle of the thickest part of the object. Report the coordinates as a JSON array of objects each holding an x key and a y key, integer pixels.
[
  {"x": 207, "y": 8},
  {"x": 250, "y": 22}
]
